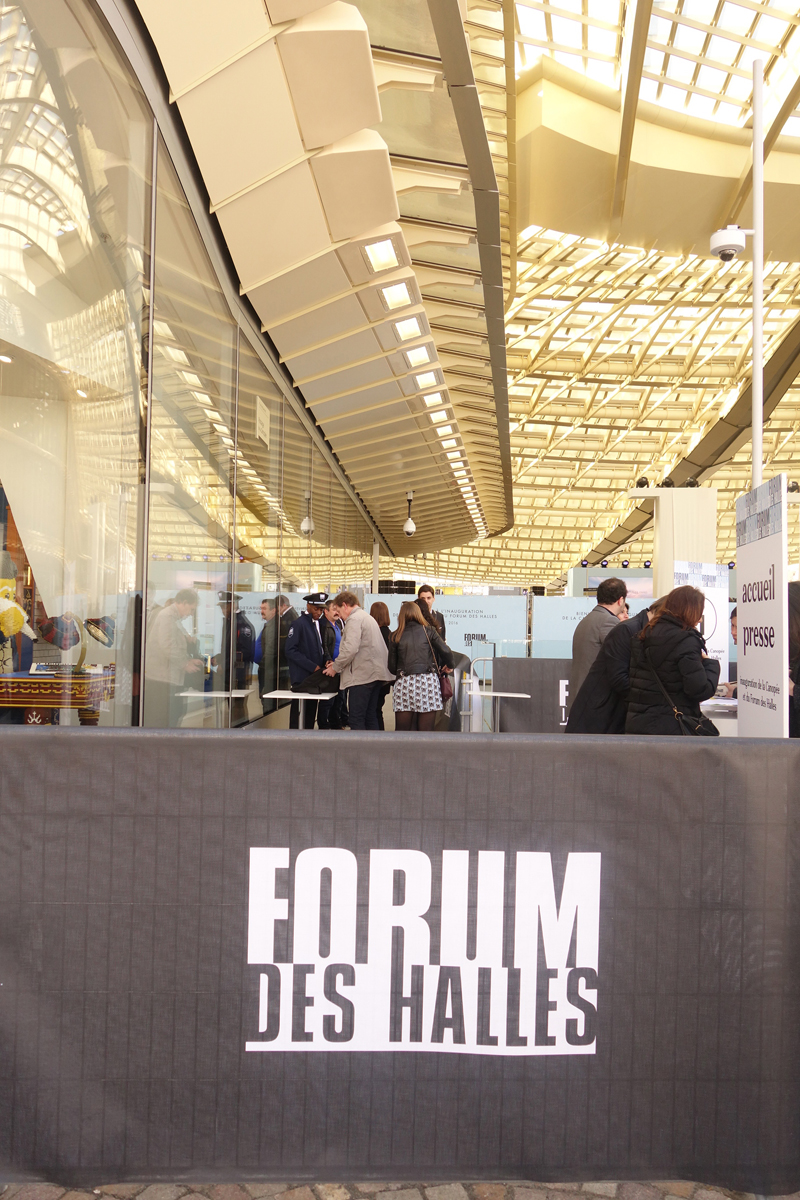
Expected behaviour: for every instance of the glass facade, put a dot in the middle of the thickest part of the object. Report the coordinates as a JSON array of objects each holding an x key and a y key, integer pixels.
[{"x": 162, "y": 505}]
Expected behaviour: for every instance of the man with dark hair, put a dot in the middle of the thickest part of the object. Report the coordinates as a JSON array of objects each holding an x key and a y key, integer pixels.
[
  {"x": 592, "y": 631},
  {"x": 601, "y": 704},
  {"x": 362, "y": 662}
]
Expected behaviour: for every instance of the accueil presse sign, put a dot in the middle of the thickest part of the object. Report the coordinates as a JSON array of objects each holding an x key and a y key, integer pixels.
[{"x": 473, "y": 975}]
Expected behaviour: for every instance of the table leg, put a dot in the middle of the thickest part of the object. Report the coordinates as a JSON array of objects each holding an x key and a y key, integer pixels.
[
  {"x": 89, "y": 716},
  {"x": 301, "y": 721},
  {"x": 496, "y": 726}
]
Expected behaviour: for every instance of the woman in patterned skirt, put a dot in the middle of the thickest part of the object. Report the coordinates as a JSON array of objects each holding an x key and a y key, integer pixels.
[{"x": 415, "y": 654}]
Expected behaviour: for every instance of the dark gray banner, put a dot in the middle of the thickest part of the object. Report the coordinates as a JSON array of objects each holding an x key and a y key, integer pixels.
[{"x": 240, "y": 955}]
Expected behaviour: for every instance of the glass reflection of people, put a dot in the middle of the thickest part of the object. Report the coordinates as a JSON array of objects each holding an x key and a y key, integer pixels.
[
  {"x": 244, "y": 652},
  {"x": 730, "y": 689},
  {"x": 170, "y": 656},
  {"x": 287, "y": 617},
  {"x": 267, "y": 651},
  {"x": 11, "y": 620}
]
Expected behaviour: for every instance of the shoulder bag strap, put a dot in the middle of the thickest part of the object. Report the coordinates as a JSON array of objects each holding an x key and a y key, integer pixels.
[
  {"x": 433, "y": 652},
  {"x": 676, "y": 712}
]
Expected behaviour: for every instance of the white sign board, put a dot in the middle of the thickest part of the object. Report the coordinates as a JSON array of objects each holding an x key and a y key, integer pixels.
[
  {"x": 478, "y": 626},
  {"x": 712, "y": 580},
  {"x": 763, "y": 611}
]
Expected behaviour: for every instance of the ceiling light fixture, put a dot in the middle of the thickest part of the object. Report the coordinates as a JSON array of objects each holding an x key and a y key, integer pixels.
[
  {"x": 6, "y": 358},
  {"x": 426, "y": 380},
  {"x": 418, "y": 356},
  {"x": 451, "y": 442},
  {"x": 433, "y": 398},
  {"x": 410, "y": 328},
  {"x": 396, "y": 295},
  {"x": 441, "y": 415},
  {"x": 81, "y": 394},
  {"x": 445, "y": 430},
  {"x": 382, "y": 255}
]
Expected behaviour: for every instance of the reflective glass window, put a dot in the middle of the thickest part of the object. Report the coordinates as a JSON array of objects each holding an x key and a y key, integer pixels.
[
  {"x": 75, "y": 164},
  {"x": 198, "y": 647}
]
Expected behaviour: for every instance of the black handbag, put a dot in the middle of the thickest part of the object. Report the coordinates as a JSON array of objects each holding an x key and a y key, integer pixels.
[
  {"x": 445, "y": 682},
  {"x": 689, "y": 726}
]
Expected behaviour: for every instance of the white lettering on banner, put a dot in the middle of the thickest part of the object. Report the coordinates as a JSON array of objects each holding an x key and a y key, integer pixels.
[{"x": 539, "y": 998}]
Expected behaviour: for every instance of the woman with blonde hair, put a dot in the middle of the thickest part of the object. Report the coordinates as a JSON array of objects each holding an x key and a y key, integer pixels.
[
  {"x": 415, "y": 654},
  {"x": 670, "y": 670}
]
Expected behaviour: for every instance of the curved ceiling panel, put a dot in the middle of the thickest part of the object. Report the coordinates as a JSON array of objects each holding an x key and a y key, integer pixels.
[{"x": 281, "y": 111}]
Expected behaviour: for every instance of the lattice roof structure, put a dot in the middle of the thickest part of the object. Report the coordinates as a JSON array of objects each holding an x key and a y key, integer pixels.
[{"x": 629, "y": 351}]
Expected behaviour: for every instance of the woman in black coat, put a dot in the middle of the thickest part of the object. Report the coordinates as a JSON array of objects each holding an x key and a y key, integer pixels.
[{"x": 675, "y": 650}]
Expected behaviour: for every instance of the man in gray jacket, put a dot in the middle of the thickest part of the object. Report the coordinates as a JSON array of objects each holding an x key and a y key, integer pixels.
[
  {"x": 591, "y": 632},
  {"x": 362, "y": 661}
]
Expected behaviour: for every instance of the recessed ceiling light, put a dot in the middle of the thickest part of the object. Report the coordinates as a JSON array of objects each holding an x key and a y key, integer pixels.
[
  {"x": 450, "y": 442},
  {"x": 439, "y": 415},
  {"x": 410, "y": 328},
  {"x": 444, "y": 430},
  {"x": 82, "y": 394},
  {"x": 418, "y": 356},
  {"x": 381, "y": 255},
  {"x": 433, "y": 398},
  {"x": 451, "y": 454},
  {"x": 396, "y": 295},
  {"x": 6, "y": 358},
  {"x": 426, "y": 380}
]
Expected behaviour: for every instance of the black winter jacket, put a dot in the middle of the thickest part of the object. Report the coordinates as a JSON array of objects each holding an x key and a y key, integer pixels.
[
  {"x": 601, "y": 704},
  {"x": 676, "y": 655},
  {"x": 412, "y": 655}
]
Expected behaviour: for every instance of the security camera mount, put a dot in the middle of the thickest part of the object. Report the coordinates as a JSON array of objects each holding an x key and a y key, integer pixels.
[
  {"x": 409, "y": 528},
  {"x": 728, "y": 243}
]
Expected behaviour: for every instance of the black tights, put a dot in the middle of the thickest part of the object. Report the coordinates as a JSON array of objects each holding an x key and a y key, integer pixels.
[{"x": 405, "y": 721}]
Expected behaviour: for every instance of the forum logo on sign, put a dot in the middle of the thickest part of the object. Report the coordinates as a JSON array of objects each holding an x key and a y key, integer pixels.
[{"x": 398, "y": 975}]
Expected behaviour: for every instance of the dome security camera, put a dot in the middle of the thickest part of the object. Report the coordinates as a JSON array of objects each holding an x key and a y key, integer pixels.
[
  {"x": 307, "y": 526},
  {"x": 728, "y": 243},
  {"x": 409, "y": 529}
]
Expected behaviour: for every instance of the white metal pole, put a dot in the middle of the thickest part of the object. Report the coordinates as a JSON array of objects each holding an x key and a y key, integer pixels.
[{"x": 757, "y": 383}]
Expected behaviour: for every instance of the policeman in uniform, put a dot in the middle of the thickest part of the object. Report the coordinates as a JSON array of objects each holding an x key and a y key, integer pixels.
[
  {"x": 310, "y": 644},
  {"x": 244, "y": 654}
]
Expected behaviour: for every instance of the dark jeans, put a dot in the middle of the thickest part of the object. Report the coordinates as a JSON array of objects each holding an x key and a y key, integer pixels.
[{"x": 362, "y": 703}]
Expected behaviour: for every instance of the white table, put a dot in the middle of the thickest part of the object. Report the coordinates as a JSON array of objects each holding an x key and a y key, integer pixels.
[
  {"x": 724, "y": 713},
  {"x": 239, "y": 694},
  {"x": 283, "y": 694},
  {"x": 497, "y": 696}
]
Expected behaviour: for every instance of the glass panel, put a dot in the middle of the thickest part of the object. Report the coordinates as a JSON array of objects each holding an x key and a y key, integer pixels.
[
  {"x": 75, "y": 156},
  {"x": 190, "y": 614},
  {"x": 258, "y": 523}
]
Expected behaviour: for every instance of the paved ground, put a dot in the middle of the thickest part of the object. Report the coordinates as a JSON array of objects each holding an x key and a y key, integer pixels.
[{"x": 607, "y": 1190}]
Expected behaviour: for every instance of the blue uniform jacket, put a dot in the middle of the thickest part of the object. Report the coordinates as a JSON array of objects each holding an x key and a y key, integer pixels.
[{"x": 303, "y": 651}]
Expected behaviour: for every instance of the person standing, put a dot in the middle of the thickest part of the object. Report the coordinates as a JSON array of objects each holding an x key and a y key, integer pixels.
[
  {"x": 415, "y": 654},
  {"x": 380, "y": 612},
  {"x": 310, "y": 645},
  {"x": 244, "y": 650},
  {"x": 362, "y": 661},
  {"x": 266, "y": 652},
  {"x": 287, "y": 615},
  {"x": 337, "y": 710},
  {"x": 601, "y": 704},
  {"x": 592, "y": 631},
  {"x": 669, "y": 655},
  {"x": 427, "y": 595},
  {"x": 169, "y": 658}
]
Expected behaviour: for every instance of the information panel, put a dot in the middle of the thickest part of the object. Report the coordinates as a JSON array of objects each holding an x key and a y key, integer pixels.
[
  {"x": 763, "y": 611},
  {"x": 713, "y": 581}
]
